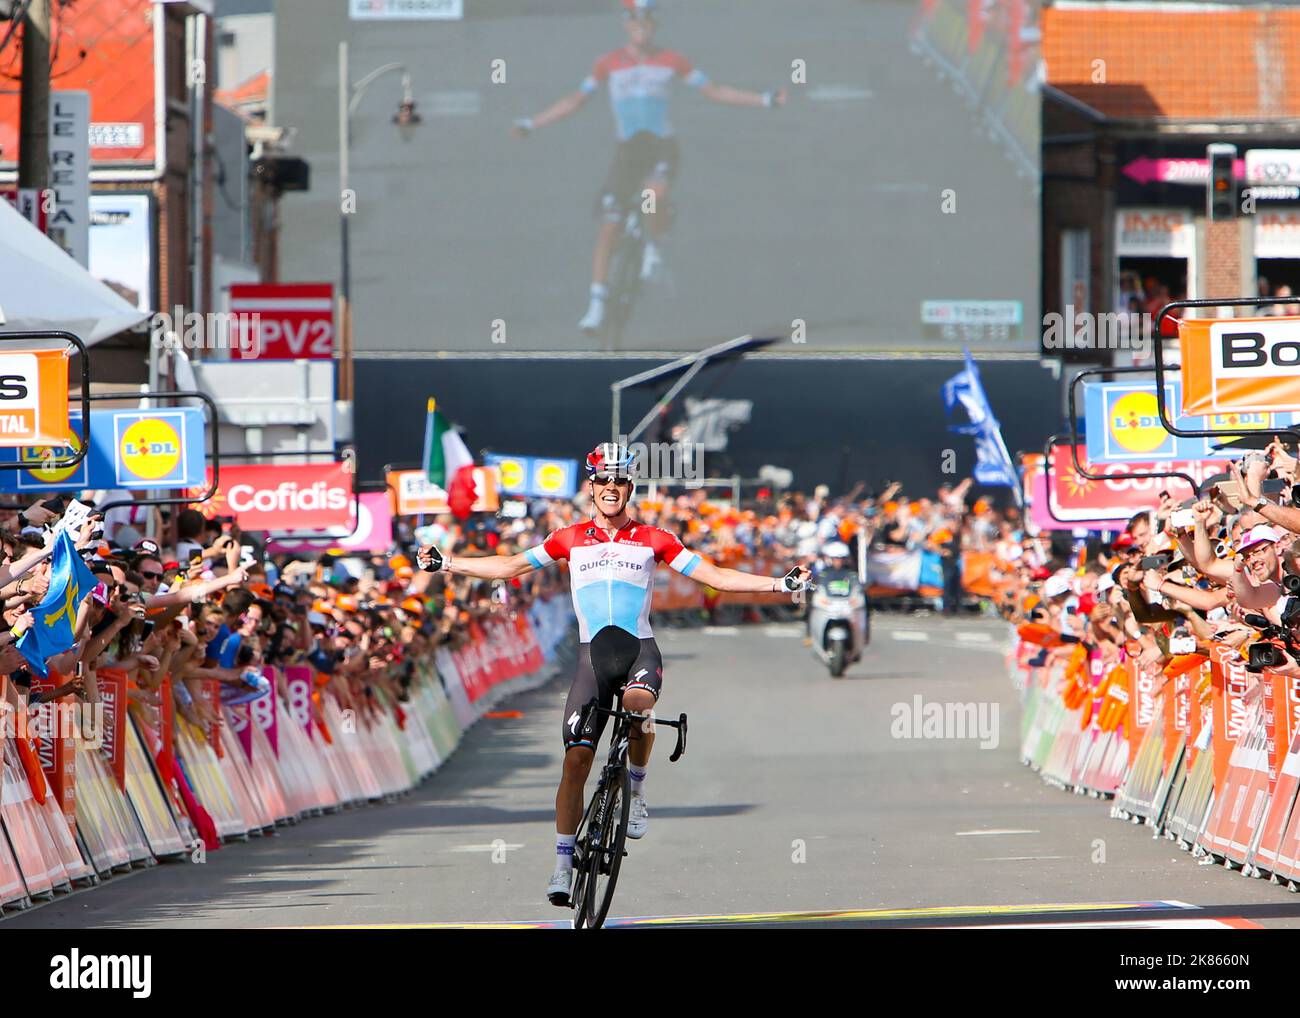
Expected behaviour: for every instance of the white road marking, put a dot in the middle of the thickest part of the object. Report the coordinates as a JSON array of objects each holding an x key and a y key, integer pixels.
[
  {"x": 782, "y": 632},
  {"x": 913, "y": 635},
  {"x": 485, "y": 848},
  {"x": 838, "y": 93},
  {"x": 1019, "y": 858},
  {"x": 721, "y": 630},
  {"x": 974, "y": 637},
  {"x": 452, "y": 104},
  {"x": 995, "y": 830}
]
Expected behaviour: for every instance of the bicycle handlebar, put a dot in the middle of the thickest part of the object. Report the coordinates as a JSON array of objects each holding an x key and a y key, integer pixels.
[{"x": 633, "y": 718}]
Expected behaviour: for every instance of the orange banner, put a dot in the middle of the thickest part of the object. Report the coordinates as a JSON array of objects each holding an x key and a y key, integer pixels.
[
  {"x": 34, "y": 398},
  {"x": 413, "y": 494},
  {"x": 1240, "y": 365}
]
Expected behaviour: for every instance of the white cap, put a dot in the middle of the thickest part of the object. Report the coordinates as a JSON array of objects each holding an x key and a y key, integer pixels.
[
  {"x": 1259, "y": 534},
  {"x": 1057, "y": 584},
  {"x": 836, "y": 549},
  {"x": 1104, "y": 582}
]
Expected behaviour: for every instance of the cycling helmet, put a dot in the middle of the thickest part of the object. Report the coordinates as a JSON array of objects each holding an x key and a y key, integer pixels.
[
  {"x": 609, "y": 458},
  {"x": 640, "y": 6},
  {"x": 835, "y": 549}
]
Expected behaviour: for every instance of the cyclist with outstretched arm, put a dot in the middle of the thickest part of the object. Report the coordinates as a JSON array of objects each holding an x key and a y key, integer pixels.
[
  {"x": 639, "y": 77},
  {"x": 611, "y": 560}
]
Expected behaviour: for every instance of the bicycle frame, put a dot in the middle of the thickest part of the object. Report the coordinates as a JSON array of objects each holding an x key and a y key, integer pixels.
[{"x": 599, "y": 847}]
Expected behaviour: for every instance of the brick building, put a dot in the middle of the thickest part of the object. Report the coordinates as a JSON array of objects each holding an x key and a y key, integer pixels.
[{"x": 1133, "y": 94}]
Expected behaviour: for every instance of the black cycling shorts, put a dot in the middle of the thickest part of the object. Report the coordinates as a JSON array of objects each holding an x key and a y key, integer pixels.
[
  {"x": 643, "y": 157},
  {"x": 613, "y": 660}
]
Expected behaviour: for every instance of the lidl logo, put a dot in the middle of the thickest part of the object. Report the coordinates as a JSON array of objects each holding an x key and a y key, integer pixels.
[
  {"x": 150, "y": 449},
  {"x": 551, "y": 477},
  {"x": 1238, "y": 421},
  {"x": 39, "y": 456},
  {"x": 513, "y": 474},
  {"x": 1135, "y": 422}
]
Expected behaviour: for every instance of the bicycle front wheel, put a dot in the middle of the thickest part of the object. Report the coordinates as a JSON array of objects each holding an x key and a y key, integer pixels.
[{"x": 607, "y": 845}]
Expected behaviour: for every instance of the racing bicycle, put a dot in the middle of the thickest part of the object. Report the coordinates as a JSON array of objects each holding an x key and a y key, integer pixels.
[
  {"x": 599, "y": 849},
  {"x": 625, "y": 274}
]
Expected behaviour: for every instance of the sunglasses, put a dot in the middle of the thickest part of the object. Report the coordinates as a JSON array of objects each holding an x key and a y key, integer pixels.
[
  {"x": 152, "y": 576},
  {"x": 601, "y": 480}
]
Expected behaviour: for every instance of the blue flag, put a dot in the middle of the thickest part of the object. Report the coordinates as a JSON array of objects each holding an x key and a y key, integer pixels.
[
  {"x": 993, "y": 465},
  {"x": 55, "y": 618}
]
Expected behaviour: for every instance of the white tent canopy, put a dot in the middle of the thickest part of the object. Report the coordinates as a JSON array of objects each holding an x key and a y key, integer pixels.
[{"x": 42, "y": 287}]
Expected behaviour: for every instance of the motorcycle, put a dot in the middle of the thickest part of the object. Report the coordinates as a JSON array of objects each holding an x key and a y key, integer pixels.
[{"x": 839, "y": 623}]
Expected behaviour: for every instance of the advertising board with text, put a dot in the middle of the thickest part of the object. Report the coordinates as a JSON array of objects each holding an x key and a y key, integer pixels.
[
  {"x": 1118, "y": 496},
  {"x": 1240, "y": 365},
  {"x": 292, "y": 320},
  {"x": 134, "y": 449},
  {"x": 534, "y": 475},
  {"x": 1123, "y": 424},
  {"x": 296, "y": 497},
  {"x": 414, "y": 494},
  {"x": 34, "y": 397}
]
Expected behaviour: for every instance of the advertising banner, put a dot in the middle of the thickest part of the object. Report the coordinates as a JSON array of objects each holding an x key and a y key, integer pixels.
[
  {"x": 414, "y": 494},
  {"x": 298, "y": 681},
  {"x": 34, "y": 397},
  {"x": 112, "y": 692},
  {"x": 1240, "y": 365},
  {"x": 534, "y": 475},
  {"x": 269, "y": 496},
  {"x": 292, "y": 320},
  {"x": 1119, "y": 496},
  {"x": 373, "y": 531},
  {"x": 1123, "y": 424},
  {"x": 128, "y": 449},
  {"x": 68, "y": 223}
]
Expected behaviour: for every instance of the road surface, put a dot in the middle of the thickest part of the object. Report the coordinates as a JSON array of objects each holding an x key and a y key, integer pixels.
[{"x": 794, "y": 797}]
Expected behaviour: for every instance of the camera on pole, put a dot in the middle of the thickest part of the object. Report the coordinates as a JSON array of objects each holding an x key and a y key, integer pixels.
[{"x": 1221, "y": 195}]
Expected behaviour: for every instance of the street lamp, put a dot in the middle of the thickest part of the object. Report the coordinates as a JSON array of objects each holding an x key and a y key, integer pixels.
[{"x": 406, "y": 118}]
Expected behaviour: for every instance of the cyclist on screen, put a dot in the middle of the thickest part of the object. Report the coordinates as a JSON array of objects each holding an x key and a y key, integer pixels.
[
  {"x": 612, "y": 561},
  {"x": 640, "y": 78}
]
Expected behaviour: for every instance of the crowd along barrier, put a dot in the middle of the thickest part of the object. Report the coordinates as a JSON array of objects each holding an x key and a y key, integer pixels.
[
  {"x": 142, "y": 784},
  {"x": 1201, "y": 750}
]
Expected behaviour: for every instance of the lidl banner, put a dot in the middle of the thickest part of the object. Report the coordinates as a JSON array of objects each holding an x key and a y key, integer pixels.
[
  {"x": 1123, "y": 424},
  {"x": 535, "y": 475},
  {"x": 1249, "y": 365},
  {"x": 132, "y": 449}
]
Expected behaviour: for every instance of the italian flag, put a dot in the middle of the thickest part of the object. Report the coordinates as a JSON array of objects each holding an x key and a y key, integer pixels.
[{"x": 448, "y": 463}]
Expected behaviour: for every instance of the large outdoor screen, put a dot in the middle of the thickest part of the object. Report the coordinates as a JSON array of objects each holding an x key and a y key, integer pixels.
[{"x": 847, "y": 175}]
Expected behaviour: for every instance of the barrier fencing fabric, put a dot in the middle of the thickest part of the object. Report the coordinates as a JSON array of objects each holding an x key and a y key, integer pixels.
[{"x": 159, "y": 787}]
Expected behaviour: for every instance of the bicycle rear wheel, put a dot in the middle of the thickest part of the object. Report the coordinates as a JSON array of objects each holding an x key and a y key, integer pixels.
[{"x": 607, "y": 839}]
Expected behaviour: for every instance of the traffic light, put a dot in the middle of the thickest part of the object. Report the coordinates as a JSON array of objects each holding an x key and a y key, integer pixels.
[{"x": 1221, "y": 196}]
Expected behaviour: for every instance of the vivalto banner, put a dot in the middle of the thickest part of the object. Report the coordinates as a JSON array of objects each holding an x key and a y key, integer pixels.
[
  {"x": 268, "y": 496},
  {"x": 34, "y": 397},
  {"x": 1249, "y": 365},
  {"x": 1118, "y": 496}
]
